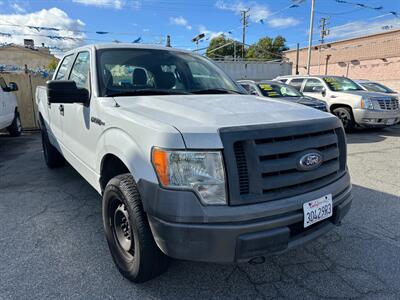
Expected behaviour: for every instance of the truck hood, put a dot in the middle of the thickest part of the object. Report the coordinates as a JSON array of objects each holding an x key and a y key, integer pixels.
[
  {"x": 362, "y": 93},
  {"x": 198, "y": 117}
]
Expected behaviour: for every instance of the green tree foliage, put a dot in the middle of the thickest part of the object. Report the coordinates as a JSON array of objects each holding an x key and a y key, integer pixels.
[
  {"x": 52, "y": 65},
  {"x": 267, "y": 48},
  {"x": 228, "y": 50}
]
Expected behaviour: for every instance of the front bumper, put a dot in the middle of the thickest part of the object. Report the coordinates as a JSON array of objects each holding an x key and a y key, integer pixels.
[
  {"x": 185, "y": 230},
  {"x": 376, "y": 118}
]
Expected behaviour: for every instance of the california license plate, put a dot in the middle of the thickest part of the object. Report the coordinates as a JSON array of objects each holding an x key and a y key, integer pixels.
[
  {"x": 317, "y": 210},
  {"x": 390, "y": 121}
]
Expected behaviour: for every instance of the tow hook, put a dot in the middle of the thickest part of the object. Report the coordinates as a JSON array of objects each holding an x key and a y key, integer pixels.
[{"x": 258, "y": 260}]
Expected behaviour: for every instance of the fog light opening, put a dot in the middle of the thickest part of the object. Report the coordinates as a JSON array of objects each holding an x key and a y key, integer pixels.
[{"x": 257, "y": 260}]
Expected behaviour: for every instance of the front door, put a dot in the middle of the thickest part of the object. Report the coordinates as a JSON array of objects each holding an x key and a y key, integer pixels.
[{"x": 80, "y": 134}]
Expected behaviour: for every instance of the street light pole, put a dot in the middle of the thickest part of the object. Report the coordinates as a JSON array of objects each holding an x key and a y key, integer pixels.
[{"x": 310, "y": 36}]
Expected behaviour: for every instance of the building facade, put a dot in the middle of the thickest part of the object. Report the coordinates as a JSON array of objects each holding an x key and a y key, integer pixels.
[
  {"x": 373, "y": 57},
  {"x": 20, "y": 57}
]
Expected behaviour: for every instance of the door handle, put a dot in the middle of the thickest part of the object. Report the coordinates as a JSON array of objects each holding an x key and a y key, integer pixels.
[{"x": 61, "y": 109}]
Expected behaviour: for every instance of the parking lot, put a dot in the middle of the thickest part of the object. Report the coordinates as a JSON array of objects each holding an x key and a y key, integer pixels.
[{"x": 52, "y": 243}]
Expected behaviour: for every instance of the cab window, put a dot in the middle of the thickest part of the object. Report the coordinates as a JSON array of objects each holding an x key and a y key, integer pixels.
[
  {"x": 296, "y": 83},
  {"x": 62, "y": 71},
  {"x": 80, "y": 70},
  {"x": 313, "y": 86}
]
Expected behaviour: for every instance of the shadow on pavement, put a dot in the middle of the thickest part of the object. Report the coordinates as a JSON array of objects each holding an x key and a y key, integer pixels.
[{"x": 372, "y": 135}]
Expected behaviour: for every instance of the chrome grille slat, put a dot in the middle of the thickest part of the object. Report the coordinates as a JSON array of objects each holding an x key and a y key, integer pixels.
[{"x": 386, "y": 103}]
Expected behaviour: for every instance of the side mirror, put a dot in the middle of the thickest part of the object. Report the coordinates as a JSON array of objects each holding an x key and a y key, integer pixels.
[
  {"x": 66, "y": 91},
  {"x": 12, "y": 87}
]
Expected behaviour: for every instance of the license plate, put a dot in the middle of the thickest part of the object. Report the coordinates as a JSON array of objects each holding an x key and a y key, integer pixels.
[
  {"x": 390, "y": 121},
  {"x": 317, "y": 210}
]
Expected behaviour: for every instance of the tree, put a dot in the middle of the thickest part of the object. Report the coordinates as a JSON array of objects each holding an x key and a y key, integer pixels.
[
  {"x": 52, "y": 65},
  {"x": 267, "y": 48},
  {"x": 228, "y": 50}
]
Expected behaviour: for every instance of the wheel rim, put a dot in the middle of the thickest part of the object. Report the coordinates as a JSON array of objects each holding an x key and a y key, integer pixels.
[
  {"x": 122, "y": 229},
  {"x": 343, "y": 117}
]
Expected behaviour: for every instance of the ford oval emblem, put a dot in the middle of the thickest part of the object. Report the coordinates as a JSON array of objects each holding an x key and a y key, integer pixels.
[{"x": 310, "y": 161}]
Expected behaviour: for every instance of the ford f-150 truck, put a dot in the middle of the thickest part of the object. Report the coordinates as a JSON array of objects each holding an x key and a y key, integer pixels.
[{"x": 189, "y": 166}]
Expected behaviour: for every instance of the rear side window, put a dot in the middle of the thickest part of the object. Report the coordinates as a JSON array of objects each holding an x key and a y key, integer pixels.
[
  {"x": 282, "y": 80},
  {"x": 80, "y": 70},
  {"x": 313, "y": 86},
  {"x": 62, "y": 71},
  {"x": 296, "y": 83}
]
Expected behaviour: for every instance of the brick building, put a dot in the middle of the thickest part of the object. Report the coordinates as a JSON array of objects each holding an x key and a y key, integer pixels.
[{"x": 374, "y": 57}]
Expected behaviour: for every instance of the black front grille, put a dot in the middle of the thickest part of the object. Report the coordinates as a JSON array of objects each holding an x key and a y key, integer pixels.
[{"x": 264, "y": 164}]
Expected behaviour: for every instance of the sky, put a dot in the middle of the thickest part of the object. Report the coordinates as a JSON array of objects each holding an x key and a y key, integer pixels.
[{"x": 65, "y": 24}]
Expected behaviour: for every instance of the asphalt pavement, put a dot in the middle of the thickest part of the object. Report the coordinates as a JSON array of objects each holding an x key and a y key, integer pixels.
[{"x": 52, "y": 244}]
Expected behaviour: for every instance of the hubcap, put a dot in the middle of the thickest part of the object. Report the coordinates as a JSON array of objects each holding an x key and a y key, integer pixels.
[
  {"x": 122, "y": 228},
  {"x": 343, "y": 117}
]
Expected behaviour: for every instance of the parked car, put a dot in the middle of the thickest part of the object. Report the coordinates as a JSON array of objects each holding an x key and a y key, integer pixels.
[
  {"x": 9, "y": 115},
  {"x": 373, "y": 86},
  {"x": 276, "y": 89},
  {"x": 188, "y": 165},
  {"x": 348, "y": 101}
]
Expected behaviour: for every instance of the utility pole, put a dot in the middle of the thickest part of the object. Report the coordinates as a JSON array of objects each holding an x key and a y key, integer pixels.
[
  {"x": 245, "y": 16},
  {"x": 297, "y": 58},
  {"x": 310, "y": 36},
  {"x": 323, "y": 24},
  {"x": 168, "y": 44},
  {"x": 326, "y": 63}
]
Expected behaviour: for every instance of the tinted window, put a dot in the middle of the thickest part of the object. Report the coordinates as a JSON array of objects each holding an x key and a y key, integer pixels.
[
  {"x": 296, "y": 83},
  {"x": 80, "y": 70},
  {"x": 62, "y": 71},
  {"x": 313, "y": 86},
  {"x": 338, "y": 84},
  {"x": 376, "y": 87},
  {"x": 276, "y": 89}
]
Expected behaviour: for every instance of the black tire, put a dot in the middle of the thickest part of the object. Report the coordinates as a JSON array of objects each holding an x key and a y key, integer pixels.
[
  {"x": 15, "y": 129},
  {"x": 52, "y": 157},
  {"x": 346, "y": 116},
  {"x": 128, "y": 233}
]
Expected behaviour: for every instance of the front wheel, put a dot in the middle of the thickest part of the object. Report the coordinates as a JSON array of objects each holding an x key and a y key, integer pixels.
[
  {"x": 15, "y": 129},
  {"x": 128, "y": 233},
  {"x": 345, "y": 115}
]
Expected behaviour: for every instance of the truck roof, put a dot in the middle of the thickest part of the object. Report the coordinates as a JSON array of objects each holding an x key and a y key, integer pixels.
[
  {"x": 303, "y": 76},
  {"x": 125, "y": 46}
]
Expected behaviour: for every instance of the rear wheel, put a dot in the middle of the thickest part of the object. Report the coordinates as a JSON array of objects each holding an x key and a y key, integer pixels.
[
  {"x": 15, "y": 129},
  {"x": 128, "y": 233},
  {"x": 345, "y": 115},
  {"x": 52, "y": 156}
]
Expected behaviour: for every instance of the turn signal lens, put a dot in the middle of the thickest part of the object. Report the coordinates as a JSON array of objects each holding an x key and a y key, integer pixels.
[{"x": 160, "y": 162}]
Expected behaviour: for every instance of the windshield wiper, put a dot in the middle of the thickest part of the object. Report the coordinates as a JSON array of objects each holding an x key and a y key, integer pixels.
[
  {"x": 216, "y": 91},
  {"x": 146, "y": 92}
]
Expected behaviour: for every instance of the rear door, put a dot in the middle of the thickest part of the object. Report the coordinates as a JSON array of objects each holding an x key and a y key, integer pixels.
[
  {"x": 56, "y": 112},
  {"x": 7, "y": 105}
]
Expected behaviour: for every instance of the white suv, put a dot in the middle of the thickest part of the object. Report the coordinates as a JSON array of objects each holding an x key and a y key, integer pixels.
[
  {"x": 348, "y": 101},
  {"x": 9, "y": 115}
]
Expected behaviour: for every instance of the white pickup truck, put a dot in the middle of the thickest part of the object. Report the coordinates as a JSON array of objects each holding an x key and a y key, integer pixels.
[
  {"x": 9, "y": 115},
  {"x": 188, "y": 166}
]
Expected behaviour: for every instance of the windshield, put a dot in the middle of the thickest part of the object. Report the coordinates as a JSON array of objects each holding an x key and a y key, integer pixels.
[
  {"x": 377, "y": 87},
  {"x": 338, "y": 84},
  {"x": 159, "y": 72},
  {"x": 276, "y": 90}
]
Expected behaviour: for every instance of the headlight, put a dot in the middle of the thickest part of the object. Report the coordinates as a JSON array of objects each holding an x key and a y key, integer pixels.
[
  {"x": 366, "y": 103},
  {"x": 200, "y": 171}
]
